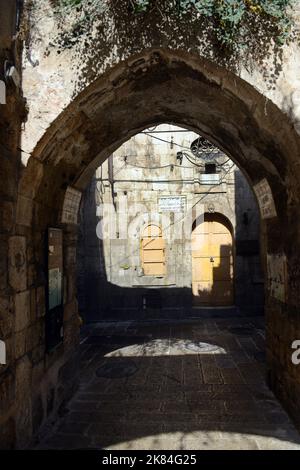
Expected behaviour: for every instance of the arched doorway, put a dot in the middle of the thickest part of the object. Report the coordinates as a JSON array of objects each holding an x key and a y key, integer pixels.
[
  {"x": 155, "y": 87},
  {"x": 212, "y": 262}
]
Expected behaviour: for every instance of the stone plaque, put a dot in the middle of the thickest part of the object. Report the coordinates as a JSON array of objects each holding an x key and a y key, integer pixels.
[
  {"x": 172, "y": 203},
  {"x": 210, "y": 178},
  {"x": 71, "y": 206},
  {"x": 277, "y": 276},
  {"x": 265, "y": 199}
]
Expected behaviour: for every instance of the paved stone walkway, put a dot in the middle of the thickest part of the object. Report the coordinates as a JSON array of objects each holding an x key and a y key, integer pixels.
[{"x": 191, "y": 385}]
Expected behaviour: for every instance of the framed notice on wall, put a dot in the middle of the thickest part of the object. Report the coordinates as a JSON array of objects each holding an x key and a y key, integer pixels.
[
  {"x": 172, "y": 204},
  {"x": 54, "y": 316}
]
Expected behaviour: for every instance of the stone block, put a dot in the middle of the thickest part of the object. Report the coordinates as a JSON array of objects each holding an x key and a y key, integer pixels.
[
  {"x": 24, "y": 210},
  {"x": 70, "y": 309},
  {"x": 35, "y": 335},
  {"x": 37, "y": 354},
  {"x": 32, "y": 305},
  {"x": 38, "y": 371},
  {"x": 6, "y": 215},
  {"x": 6, "y": 174},
  {"x": 71, "y": 333},
  {"x": 20, "y": 344},
  {"x": 37, "y": 413},
  {"x": 23, "y": 378},
  {"x": 7, "y": 434},
  {"x": 22, "y": 310},
  {"x": 24, "y": 422},
  {"x": 71, "y": 256},
  {"x": 6, "y": 317},
  {"x": 3, "y": 262},
  {"x": 71, "y": 287},
  {"x": 17, "y": 263},
  {"x": 7, "y": 390},
  {"x": 31, "y": 275},
  {"x": 40, "y": 301}
]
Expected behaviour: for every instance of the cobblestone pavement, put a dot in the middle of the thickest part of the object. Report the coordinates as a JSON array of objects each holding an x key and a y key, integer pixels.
[{"x": 187, "y": 385}]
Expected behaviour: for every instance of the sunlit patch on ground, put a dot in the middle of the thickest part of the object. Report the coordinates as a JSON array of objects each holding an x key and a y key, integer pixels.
[
  {"x": 202, "y": 440},
  {"x": 167, "y": 347},
  {"x": 181, "y": 386}
]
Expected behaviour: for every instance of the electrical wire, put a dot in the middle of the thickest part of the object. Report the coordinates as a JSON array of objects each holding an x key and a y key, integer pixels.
[
  {"x": 165, "y": 141},
  {"x": 183, "y": 147},
  {"x": 199, "y": 165},
  {"x": 191, "y": 181},
  {"x": 170, "y": 165},
  {"x": 179, "y": 220}
]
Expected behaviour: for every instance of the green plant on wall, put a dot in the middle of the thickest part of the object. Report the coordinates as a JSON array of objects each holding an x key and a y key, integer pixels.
[
  {"x": 232, "y": 21},
  {"x": 231, "y": 18},
  {"x": 231, "y": 33}
]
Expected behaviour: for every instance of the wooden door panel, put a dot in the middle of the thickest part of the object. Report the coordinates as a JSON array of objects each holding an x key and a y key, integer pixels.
[
  {"x": 154, "y": 256},
  {"x": 212, "y": 281},
  {"x": 201, "y": 270},
  {"x": 153, "y": 243},
  {"x": 221, "y": 239},
  {"x": 154, "y": 269},
  {"x": 222, "y": 293},
  {"x": 222, "y": 269},
  {"x": 204, "y": 227},
  {"x": 152, "y": 231},
  {"x": 217, "y": 227},
  {"x": 153, "y": 252},
  {"x": 202, "y": 290}
]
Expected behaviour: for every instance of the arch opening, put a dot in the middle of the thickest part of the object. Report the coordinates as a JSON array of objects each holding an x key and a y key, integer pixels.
[
  {"x": 153, "y": 88},
  {"x": 148, "y": 181}
]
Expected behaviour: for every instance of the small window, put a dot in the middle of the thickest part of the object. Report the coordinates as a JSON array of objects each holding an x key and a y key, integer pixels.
[
  {"x": 210, "y": 168},
  {"x": 153, "y": 252}
]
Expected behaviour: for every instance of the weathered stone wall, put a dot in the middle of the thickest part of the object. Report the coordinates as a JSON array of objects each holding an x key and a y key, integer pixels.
[
  {"x": 32, "y": 385},
  {"x": 58, "y": 65},
  {"x": 124, "y": 196},
  {"x": 14, "y": 306},
  {"x": 96, "y": 124},
  {"x": 251, "y": 113}
]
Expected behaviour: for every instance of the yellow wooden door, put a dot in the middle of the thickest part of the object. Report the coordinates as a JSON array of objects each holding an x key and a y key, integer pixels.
[
  {"x": 153, "y": 252},
  {"x": 212, "y": 264}
]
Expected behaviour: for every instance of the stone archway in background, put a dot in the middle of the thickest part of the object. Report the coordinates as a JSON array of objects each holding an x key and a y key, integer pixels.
[{"x": 155, "y": 87}]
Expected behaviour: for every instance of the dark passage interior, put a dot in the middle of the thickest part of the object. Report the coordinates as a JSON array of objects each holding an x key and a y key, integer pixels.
[
  {"x": 198, "y": 205},
  {"x": 172, "y": 353}
]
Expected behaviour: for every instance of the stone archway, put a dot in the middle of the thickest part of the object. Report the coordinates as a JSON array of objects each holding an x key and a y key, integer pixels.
[{"x": 151, "y": 88}]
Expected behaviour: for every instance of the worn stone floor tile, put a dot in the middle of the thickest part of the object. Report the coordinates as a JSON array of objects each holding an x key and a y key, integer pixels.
[
  {"x": 276, "y": 444},
  {"x": 212, "y": 442},
  {"x": 232, "y": 376},
  {"x": 73, "y": 427},
  {"x": 179, "y": 397},
  {"x": 65, "y": 441},
  {"x": 157, "y": 442}
]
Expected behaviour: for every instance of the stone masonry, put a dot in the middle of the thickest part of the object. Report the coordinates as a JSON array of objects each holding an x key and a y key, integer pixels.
[
  {"x": 66, "y": 110},
  {"x": 125, "y": 194}
]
